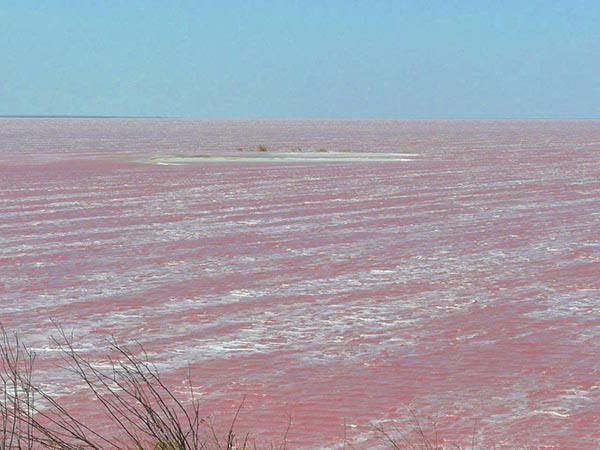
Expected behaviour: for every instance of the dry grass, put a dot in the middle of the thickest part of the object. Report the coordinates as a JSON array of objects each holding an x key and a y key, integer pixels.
[{"x": 419, "y": 437}]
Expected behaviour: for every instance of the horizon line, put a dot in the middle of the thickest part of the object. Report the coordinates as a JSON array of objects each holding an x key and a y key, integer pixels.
[{"x": 458, "y": 118}]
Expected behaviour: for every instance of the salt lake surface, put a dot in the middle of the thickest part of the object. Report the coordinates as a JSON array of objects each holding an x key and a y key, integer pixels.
[{"x": 462, "y": 281}]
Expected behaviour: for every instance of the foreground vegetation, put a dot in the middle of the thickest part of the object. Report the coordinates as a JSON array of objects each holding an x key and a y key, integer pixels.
[{"x": 144, "y": 413}]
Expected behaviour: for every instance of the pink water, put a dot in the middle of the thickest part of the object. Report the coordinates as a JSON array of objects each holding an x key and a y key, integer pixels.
[{"x": 464, "y": 284}]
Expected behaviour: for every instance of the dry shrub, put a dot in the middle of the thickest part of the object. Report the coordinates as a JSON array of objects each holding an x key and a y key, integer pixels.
[
  {"x": 129, "y": 389},
  {"x": 140, "y": 406}
]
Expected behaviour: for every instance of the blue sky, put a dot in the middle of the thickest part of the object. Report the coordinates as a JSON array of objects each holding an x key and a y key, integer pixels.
[{"x": 311, "y": 58}]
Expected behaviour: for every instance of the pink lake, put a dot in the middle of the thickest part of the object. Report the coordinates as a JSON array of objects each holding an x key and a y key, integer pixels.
[{"x": 463, "y": 284}]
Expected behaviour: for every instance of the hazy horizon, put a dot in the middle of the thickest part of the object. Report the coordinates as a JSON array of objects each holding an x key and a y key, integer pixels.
[{"x": 299, "y": 118}]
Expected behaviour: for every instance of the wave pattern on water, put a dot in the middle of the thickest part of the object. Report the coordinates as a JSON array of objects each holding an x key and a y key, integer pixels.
[{"x": 465, "y": 283}]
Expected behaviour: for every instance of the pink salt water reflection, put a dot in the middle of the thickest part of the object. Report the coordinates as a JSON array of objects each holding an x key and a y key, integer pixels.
[{"x": 463, "y": 284}]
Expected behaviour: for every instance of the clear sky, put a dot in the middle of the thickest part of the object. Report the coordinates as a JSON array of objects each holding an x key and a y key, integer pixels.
[{"x": 310, "y": 58}]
